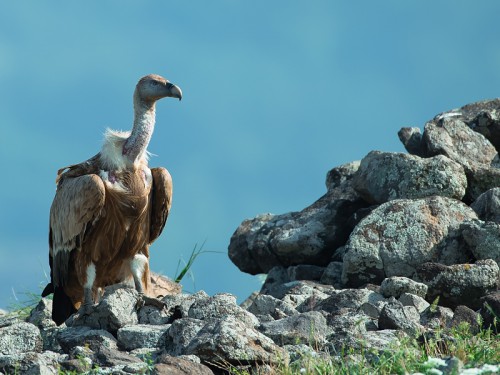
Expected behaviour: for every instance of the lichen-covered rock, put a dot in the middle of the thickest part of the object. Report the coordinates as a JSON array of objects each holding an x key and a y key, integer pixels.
[
  {"x": 460, "y": 284},
  {"x": 419, "y": 303},
  {"x": 395, "y": 286},
  {"x": 463, "y": 314},
  {"x": 487, "y": 205},
  {"x": 338, "y": 176},
  {"x": 490, "y": 310},
  {"x": 332, "y": 275},
  {"x": 348, "y": 299},
  {"x": 385, "y": 176},
  {"x": 41, "y": 316},
  {"x": 396, "y": 316},
  {"x": 181, "y": 333},
  {"x": 266, "y": 305},
  {"x": 142, "y": 336},
  {"x": 168, "y": 365},
  {"x": 306, "y": 237},
  {"x": 71, "y": 337},
  {"x": 306, "y": 328},
  {"x": 219, "y": 305},
  {"x": 20, "y": 337},
  {"x": 227, "y": 340},
  {"x": 411, "y": 137},
  {"x": 398, "y": 236},
  {"x": 483, "y": 239},
  {"x": 436, "y": 317},
  {"x": 179, "y": 305},
  {"x": 45, "y": 363}
]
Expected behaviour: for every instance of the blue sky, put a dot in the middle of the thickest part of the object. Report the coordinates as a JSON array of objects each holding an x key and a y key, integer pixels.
[{"x": 275, "y": 94}]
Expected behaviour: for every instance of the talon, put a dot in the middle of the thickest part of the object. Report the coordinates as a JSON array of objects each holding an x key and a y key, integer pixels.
[{"x": 150, "y": 301}]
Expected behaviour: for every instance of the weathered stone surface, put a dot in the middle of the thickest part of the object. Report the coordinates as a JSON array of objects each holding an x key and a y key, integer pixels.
[
  {"x": 332, "y": 275},
  {"x": 31, "y": 363},
  {"x": 219, "y": 305},
  {"x": 116, "y": 309},
  {"x": 142, "y": 336},
  {"x": 306, "y": 237},
  {"x": 228, "y": 340},
  {"x": 20, "y": 337},
  {"x": 436, "y": 317},
  {"x": 305, "y": 272},
  {"x": 110, "y": 357},
  {"x": 85, "y": 336},
  {"x": 41, "y": 317},
  {"x": 450, "y": 136},
  {"x": 480, "y": 180},
  {"x": 490, "y": 309},
  {"x": 396, "y": 316},
  {"x": 419, "y": 303},
  {"x": 463, "y": 314},
  {"x": 460, "y": 284},
  {"x": 483, "y": 239},
  {"x": 385, "y": 176},
  {"x": 181, "y": 333},
  {"x": 348, "y": 299},
  {"x": 267, "y": 305},
  {"x": 398, "y": 236},
  {"x": 178, "y": 305},
  {"x": 338, "y": 176},
  {"x": 161, "y": 285},
  {"x": 168, "y": 365},
  {"x": 306, "y": 328},
  {"x": 411, "y": 138},
  {"x": 395, "y": 286},
  {"x": 487, "y": 205}
]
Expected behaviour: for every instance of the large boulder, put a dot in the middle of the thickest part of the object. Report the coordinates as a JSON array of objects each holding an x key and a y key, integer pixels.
[
  {"x": 398, "y": 236},
  {"x": 384, "y": 176},
  {"x": 487, "y": 205},
  {"x": 20, "y": 337},
  {"x": 306, "y": 237},
  {"x": 483, "y": 239}
]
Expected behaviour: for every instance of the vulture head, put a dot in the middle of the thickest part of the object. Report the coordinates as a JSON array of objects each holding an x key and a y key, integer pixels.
[{"x": 154, "y": 87}]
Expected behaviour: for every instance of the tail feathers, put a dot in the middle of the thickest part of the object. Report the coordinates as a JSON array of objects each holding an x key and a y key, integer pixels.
[{"x": 62, "y": 306}]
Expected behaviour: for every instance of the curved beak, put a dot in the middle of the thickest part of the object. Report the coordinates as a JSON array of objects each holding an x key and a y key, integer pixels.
[{"x": 174, "y": 91}]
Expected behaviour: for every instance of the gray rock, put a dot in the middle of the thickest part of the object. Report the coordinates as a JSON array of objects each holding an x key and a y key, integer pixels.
[
  {"x": 110, "y": 357},
  {"x": 219, "y": 305},
  {"x": 463, "y": 314},
  {"x": 487, "y": 205},
  {"x": 20, "y": 337},
  {"x": 230, "y": 341},
  {"x": 385, "y": 176},
  {"x": 181, "y": 303},
  {"x": 348, "y": 299},
  {"x": 181, "y": 333},
  {"x": 398, "y": 236},
  {"x": 45, "y": 363},
  {"x": 460, "y": 284},
  {"x": 142, "y": 336},
  {"x": 305, "y": 272},
  {"x": 332, "y": 274},
  {"x": 450, "y": 136},
  {"x": 264, "y": 304},
  {"x": 436, "y": 317},
  {"x": 306, "y": 237},
  {"x": 481, "y": 179},
  {"x": 41, "y": 316},
  {"x": 395, "y": 286},
  {"x": 490, "y": 310},
  {"x": 483, "y": 239},
  {"x": 396, "y": 316},
  {"x": 153, "y": 315},
  {"x": 306, "y": 328},
  {"x": 338, "y": 176},
  {"x": 296, "y": 293},
  {"x": 412, "y": 140},
  {"x": 71, "y": 337},
  {"x": 116, "y": 309},
  {"x": 419, "y": 303},
  {"x": 169, "y": 365}
]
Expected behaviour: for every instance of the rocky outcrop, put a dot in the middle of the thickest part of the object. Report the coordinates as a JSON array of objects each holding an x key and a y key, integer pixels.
[{"x": 400, "y": 245}]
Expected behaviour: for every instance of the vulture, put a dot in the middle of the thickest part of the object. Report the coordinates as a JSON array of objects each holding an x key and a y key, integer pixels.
[{"x": 107, "y": 211}]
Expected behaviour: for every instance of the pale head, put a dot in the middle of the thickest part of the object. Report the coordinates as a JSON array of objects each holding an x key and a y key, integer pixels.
[{"x": 153, "y": 87}]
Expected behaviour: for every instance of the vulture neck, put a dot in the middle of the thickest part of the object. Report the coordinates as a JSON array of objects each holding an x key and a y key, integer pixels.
[{"x": 134, "y": 148}]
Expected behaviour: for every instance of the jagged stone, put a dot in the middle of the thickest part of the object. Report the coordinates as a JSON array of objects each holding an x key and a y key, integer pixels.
[
  {"x": 41, "y": 317},
  {"x": 396, "y": 316},
  {"x": 161, "y": 285},
  {"x": 411, "y": 138},
  {"x": 219, "y": 305},
  {"x": 109, "y": 357},
  {"x": 306, "y": 237},
  {"x": 305, "y": 272},
  {"x": 395, "y": 286},
  {"x": 84, "y": 336},
  {"x": 348, "y": 299},
  {"x": 267, "y": 305},
  {"x": 142, "y": 336},
  {"x": 378, "y": 246},
  {"x": 487, "y": 205},
  {"x": 436, "y": 317},
  {"x": 168, "y": 365},
  {"x": 116, "y": 309},
  {"x": 20, "y": 337},
  {"x": 459, "y": 284},
  {"x": 180, "y": 304},
  {"x": 31, "y": 363},
  {"x": 332, "y": 274},
  {"x": 181, "y": 333},
  {"x": 385, "y": 176},
  {"x": 463, "y": 314},
  {"x": 490, "y": 310},
  {"x": 227, "y": 340},
  {"x": 339, "y": 176},
  {"x": 419, "y": 303},
  {"x": 483, "y": 239},
  {"x": 306, "y": 328}
]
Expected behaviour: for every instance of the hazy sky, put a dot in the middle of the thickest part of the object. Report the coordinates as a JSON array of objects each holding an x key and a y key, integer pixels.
[{"x": 276, "y": 93}]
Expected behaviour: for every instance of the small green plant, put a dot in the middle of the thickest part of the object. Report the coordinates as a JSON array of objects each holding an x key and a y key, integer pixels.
[{"x": 187, "y": 265}]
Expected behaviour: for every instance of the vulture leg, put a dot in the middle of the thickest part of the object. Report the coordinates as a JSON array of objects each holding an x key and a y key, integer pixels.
[
  {"x": 88, "y": 300},
  {"x": 138, "y": 266}
]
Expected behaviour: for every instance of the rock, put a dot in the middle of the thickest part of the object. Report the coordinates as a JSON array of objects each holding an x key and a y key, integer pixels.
[
  {"x": 41, "y": 316},
  {"x": 142, "y": 336},
  {"x": 84, "y": 336},
  {"x": 179, "y": 305},
  {"x": 395, "y": 286},
  {"x": 396, "y": 316},
  {"x": 385, "y": 176},
  {"x": 31, "y": 363},
  {"x": 219, "y": 305},
  {"x": 161, "y": 286},
  {"x": 110, "y": 357},
  {"x": 116, "y": 309},
  {"x": 267, "y": 305},
  {"x": 348, "y": 299},
  {"x": 483, "y": 239},
  {"x": 480, "y": 180},
  {"x": 305, "y": 272},
  {"x": 460, "y": 284},
  {"x": 338, "y": 177},
  {"x": 306, "y": 328},
  {"x": 306, "y": 237},
  {"x": 436, "y": 317},
  {"x": 20, "y": 337},
  {"x": 400, "y": 235},
  {"x": 487, "y": 205},
  {"x": 229, "y": 341},
  {"x": 451, "y": 137},
  {"x": 490, "y": 310},
  {"x": 332, "y": 275},
  {"x": 181, "y": 333},
  {"x": 463, "y": 314},
  {"x": 419, "y": 303},
  {"x": 169, "y": 365},
  {"x": 411, "y": 138}
]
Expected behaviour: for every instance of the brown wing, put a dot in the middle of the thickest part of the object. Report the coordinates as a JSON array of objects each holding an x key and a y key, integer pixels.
[
  {"x": 161, "y": 200},
  {"x": 76, "y": 206}
]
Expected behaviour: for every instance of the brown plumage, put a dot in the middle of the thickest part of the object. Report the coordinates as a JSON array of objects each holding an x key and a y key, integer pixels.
[{"x": 108, "y": 210}]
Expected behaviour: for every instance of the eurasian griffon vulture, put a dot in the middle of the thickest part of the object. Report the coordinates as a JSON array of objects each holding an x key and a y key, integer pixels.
[{"x": 108, "y": 210}]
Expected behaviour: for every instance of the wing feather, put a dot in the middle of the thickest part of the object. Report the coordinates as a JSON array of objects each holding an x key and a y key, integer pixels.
[
  {"x": 76, "y": 206},
  {"x": 161, "y": 201}
]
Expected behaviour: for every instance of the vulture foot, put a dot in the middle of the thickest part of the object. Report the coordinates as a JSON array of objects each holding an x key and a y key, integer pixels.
[{"x": 149, "y": 301}]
